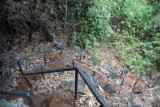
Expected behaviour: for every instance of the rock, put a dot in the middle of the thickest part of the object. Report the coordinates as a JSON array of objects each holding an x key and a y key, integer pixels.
[
  {"x": 6, "y": 74},
  {"x": 156, "y": 103},
  {"x": 8, "y": 80},
  {"x": 7, "y": 77},
  {"x": 38, "y": 100},
  {"x": 131, "y": 98},
  {"x": 64, "y": 85},
  {"x": 4, "y": 60},
  {"x": 53, "y": 103},
  {"x": 48, "y": 32},
  {"x": 109, "y": 89},
  {"x": 81, "y": 85},
  {"x": 94, "y": 80},
  {"x": 136, "y": 105},
  {"x": 56, "y": 95},
  {"x": 125, "y": 70},
  {"x": 13, "y": 103},
  {"x": 58, "y": 100},
  {"x": 14, "y": 56},
  {"x": 136, "y": 90},
  {"x": 113, "y": 76},
  {"x": 9, "y": 58}
]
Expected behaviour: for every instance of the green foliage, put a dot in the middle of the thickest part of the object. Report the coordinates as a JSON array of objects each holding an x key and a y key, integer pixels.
[
  {"x": 139, "y": 41},
  {"x": 95, "y": 57},
  {"x": 91, "y": 26},
  {"x": 12, "y": 44},
  {"x": 90, "y": 20},
  {"x": 139, "y": 56},
  {"x": 135, "y": 15},
  {"x": 131, "y": 26}
]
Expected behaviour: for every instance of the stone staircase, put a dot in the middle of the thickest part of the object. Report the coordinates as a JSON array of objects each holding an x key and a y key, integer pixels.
[{"x": 58, "y": 89}]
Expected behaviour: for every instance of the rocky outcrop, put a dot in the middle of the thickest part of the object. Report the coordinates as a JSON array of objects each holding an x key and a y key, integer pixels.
[
  {"x": 48, "y": 32},
  {"x": 8, "y": 77}
]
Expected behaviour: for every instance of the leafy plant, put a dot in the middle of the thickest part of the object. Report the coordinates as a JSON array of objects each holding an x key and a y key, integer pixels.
[
  {"x": 92, "y": 26},
  {"x": 95, "y": 57},
  {"x": 135, "y": 15},
  {"x": 139, "y": 56}
]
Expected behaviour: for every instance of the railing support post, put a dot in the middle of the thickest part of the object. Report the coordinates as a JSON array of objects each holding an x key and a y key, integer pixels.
[
  {"x": 29, "y": 83},
  {"x": 29, "y": 100},
  {"x": 61, "y": 49},
  {"x": 20, "y": 67},
  {"x": 42, "y": 73},
  {"x": 137, "y": 80},
  {"x": 45, "y": 61},
  {"x": 73, "y": 63},
  {"x": 44, "y": 58},
  {"x": 80, "y": 57},
  {"x": 76, "y": 84}
]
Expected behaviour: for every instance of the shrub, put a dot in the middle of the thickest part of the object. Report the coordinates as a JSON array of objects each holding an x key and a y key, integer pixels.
[
  {"x": 137, "y": 55},
  {"x": 135, "y": 15}
]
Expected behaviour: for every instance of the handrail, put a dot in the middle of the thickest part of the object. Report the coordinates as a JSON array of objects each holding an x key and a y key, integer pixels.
[
  {"x": 59, "y": 46},
  {"x": 92, "y": 61},
  {"x": 5, "y": 67},
  {"x": 49, "y": 65},
  {"x": 84, "y": 77}
]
